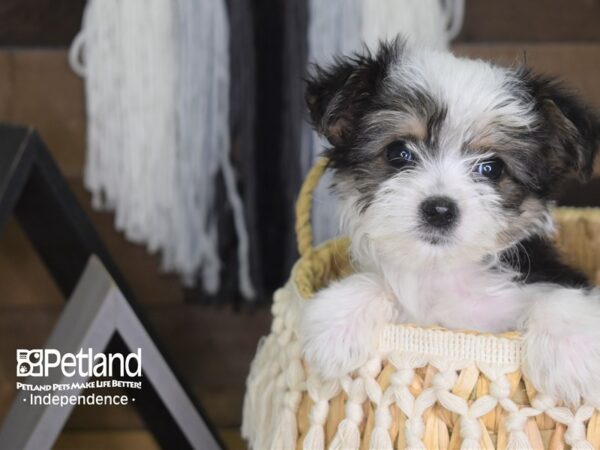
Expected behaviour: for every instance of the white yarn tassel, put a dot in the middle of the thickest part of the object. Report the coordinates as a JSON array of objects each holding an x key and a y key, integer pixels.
[
  {"x": 348, "y": 432},
  {"x": 286, "y": 431},
  {"x": 157, "y": 94},
  {"x": 517, "y": 439},
  {"x": 320, "y": 392},
  {"x": 315, "y": 438},
  {"x": 381, "y": 439},
  {"x": 575, "y": 434},
  {"x": 470, "y": 444},
  {"x": 413, "y": 429},
  {"x": 347, "y": 436},
  {"x": 424, "y": 22},
  {"x": 257, "y": 385},
  {"x": 243, "y": 250},
  {"x": 455, "y": 13},
  {"x": 266, "y": 381}
]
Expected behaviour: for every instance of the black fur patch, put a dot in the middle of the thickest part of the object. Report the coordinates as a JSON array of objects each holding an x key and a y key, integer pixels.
[
  {"x": 342, "y": 99},
  {"x": 538, "y": 261},
  {"x": 435, "y": 118},
  {"x": 337, "y": 96},
  {"x": 570, "y": 130}
]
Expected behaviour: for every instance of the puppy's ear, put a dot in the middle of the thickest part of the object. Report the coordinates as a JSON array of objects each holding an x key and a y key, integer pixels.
[
  {"x": 573, "y": 128},
  {"x": 339, "y": 94}
]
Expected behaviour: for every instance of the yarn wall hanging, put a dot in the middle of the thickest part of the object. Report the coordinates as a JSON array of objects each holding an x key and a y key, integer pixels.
[
  {"x": 157, "y": 83},
  {"x": 339, "y": 27}
]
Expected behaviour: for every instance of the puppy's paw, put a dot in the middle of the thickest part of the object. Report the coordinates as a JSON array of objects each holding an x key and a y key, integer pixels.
[
  {"x": 340, "y": 326},
  {"x": 562, "y": 346}
]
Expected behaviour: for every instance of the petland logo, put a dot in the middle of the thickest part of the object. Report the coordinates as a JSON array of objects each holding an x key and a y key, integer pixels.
[{"x": 39, "y": 362}]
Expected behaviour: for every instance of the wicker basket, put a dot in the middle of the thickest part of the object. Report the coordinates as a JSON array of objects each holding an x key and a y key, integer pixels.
[{"x": 428, "y": 388}]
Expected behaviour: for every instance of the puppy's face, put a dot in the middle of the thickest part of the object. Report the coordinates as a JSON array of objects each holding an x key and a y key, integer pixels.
[{"x": 441, "y": 157}]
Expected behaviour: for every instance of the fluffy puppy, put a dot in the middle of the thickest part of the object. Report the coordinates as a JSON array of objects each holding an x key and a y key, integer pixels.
[{"x": 445, "y": 169}]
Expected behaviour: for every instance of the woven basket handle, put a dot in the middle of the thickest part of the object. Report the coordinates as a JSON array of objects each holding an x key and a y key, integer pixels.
[{"x": 304, "y": 233}]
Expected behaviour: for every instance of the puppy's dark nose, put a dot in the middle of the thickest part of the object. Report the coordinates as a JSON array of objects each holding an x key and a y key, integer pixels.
[{"x": 439, "y": 212}]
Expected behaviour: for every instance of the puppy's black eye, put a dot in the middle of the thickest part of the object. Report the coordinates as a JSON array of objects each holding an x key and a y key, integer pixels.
[
  {"x": 398, "y": 155},
  {"x": 491, "y": 169}
]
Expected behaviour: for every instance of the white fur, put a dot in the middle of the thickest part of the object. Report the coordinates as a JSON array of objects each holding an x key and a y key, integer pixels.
[
  {"x": 475, "y": 92},
  {"x": 562, "y": 343},
  {"x": 341, "y": 324}
]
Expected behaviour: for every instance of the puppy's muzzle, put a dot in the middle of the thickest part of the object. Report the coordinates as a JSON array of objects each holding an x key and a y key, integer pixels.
[{"x": 439, "y": 212}]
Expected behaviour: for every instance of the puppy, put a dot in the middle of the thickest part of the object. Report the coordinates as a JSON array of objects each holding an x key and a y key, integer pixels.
[{"x": 445, "y": 169}]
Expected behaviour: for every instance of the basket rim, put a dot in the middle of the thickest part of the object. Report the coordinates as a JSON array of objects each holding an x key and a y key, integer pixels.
[{"x": 459, "y": 346}]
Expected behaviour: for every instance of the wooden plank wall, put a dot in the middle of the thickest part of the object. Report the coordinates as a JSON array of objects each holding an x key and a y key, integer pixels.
[{"x": 212, "y": 347}]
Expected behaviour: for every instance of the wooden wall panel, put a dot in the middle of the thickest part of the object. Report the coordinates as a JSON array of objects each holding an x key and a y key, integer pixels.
[
  {"x": 38, "y": 88},
  {"x": 24, "y": 280},
  {"x": 531, "y": 20},
  {"x": 39, "y": 22},
  {"x": 578, "y": 64}
]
